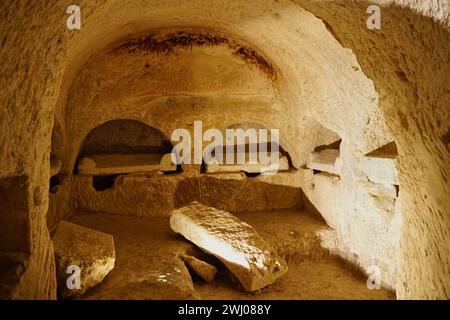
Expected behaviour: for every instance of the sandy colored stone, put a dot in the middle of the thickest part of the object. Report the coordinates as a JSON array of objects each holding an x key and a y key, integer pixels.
[
  {"x": 140, "y": 273},
  {"x": 166, "y": 163},
  {"x": 236, "y": 193},
  {"x": 161, "y": 274},
  {"x": 55, "y": 166},
  {"x": 92, "y": 251},
  {"x": 350, "y": 199},
  {"x": 203, "y": 269},
  {"x": 158, "y": 195},
  {"x": 324, "y": 160},
  {"x": 369, "y": 87},
  {"x": 380, "y": 165},
  {"x": 381, "y": 170},
  {"x": 283, "y": 165},
  {"x": 232, "y": 241},
  {"x": 109, "y": 164}
]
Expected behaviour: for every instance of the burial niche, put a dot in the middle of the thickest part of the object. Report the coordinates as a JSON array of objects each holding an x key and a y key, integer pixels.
[{"x": 123, "y": 146}]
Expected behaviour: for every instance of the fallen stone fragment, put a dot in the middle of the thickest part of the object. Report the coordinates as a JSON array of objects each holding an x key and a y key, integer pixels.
[
  {"x": 232, "y": 241},
  {"x": 78, "y": 248},
  {"x": 203, "y": 269}
]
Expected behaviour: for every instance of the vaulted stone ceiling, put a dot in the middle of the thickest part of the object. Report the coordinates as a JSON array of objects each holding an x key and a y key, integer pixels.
[{"x": 310, "y": 68}]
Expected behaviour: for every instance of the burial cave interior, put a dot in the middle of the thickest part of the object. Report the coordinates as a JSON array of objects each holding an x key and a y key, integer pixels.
[{"x": 357, "y": 209}]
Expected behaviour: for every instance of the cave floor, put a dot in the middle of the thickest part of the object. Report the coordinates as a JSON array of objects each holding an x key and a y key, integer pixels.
[{"x": 148, "y": 264}]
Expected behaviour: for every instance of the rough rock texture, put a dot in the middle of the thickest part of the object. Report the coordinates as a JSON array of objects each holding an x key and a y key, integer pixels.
[
  {"x": 158, "y": 195},
  {"x": 365, "y": 216},
  {"x": 27, "y": 269},
  {"x": 124, "y": 136},
  {"x": 109, "y": 164},
  {"x": 324, "y": 160},
  {"x": 381, "y": 170},
  {"x": 55, "y": 166},
  {"x": 60, "y": 203},
  {"x": 141, "y": 273},
  {"x": 166, "y": 163},
  {"x": 381, "y": 165},
  {"x": 232, "y": 241},
  {"x": 236, "y": 193},
  {"x": 282, "y": 165},
  {"x": 90, "y": 250},
  {"x": 161, "y": 274},
  {"x": 408, "y": 62},
  {"x": 203, "y": 269},
  {"x": 306, "y": 67}
]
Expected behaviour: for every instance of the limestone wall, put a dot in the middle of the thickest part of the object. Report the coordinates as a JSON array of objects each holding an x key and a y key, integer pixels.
[
  {"x": 369, "y": 87},
  {"x": 156, "y": 195}
]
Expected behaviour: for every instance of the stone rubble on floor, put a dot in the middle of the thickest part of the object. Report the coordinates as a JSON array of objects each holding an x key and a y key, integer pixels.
[
  {"x": 203, "y": 269},
  {"x": 232, "y": 241},
  {"x": 88, "y": 251}
]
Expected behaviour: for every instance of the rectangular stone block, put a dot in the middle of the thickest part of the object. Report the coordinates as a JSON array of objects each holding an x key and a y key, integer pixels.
[
  {"x": 324, "y": 160},
  {"x": 232, "y": 241},
  {"x": 203, "y": 269},
  {"x": 381, "y": 170},
  {"x": 283, "y": 165},
  {"x": 109, "y": 164},
  {"x": 55, "y": 166},
  {"x": 380, "y": 165}
]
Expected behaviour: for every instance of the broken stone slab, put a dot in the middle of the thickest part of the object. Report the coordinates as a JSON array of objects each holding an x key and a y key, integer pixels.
[
  {"x": 283, "y": 165},
  {"x": 109, "y": 164},
  {"x": 83, "y": 251},
  {"x": 232, "y": 241},
  {"x": 324, "y": 160},
  {"x": 203, "y": 269}
]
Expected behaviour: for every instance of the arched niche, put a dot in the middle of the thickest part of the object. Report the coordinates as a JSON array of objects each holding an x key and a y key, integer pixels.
[
  {"x": 245, "y": 153},
  {"x": 124, "y": 146}
]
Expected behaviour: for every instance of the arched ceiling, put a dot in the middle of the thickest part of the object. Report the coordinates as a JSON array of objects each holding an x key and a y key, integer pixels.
[
  {"x": 285, "y": 82},
  {"x": 367, "y": 86}
]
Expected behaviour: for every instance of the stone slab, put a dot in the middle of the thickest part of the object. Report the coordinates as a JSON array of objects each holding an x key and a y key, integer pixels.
[
  {"x": 109, "y": 164},
  {"x": 235, "y": 243}
]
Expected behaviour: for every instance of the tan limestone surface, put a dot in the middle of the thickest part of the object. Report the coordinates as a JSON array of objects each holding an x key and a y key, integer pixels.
[
  {"x": 319, "y": 73},
  {"x": 91, "y": 252},
  {"x": 232, "y": 241},
  {"x": 149, "y": 264}
]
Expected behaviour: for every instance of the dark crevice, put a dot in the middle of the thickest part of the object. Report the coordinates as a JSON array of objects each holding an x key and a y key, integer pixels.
[
  {"x": 101, "y": 183},
  {"x": 252, "y": 174},
  {"x": 55, "y": 181}
]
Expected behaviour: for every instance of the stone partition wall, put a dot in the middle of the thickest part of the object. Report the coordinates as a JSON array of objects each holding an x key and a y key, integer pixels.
[{"x": 157, "y": 195}]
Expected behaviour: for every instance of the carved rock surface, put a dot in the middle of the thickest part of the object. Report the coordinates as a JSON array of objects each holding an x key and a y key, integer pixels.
[
  {"x": 324, "y": 160},
  {"x": 234, "y": 242},
  {"x": 91, "y": 251},
  {"x": 107, "y": 164}
]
